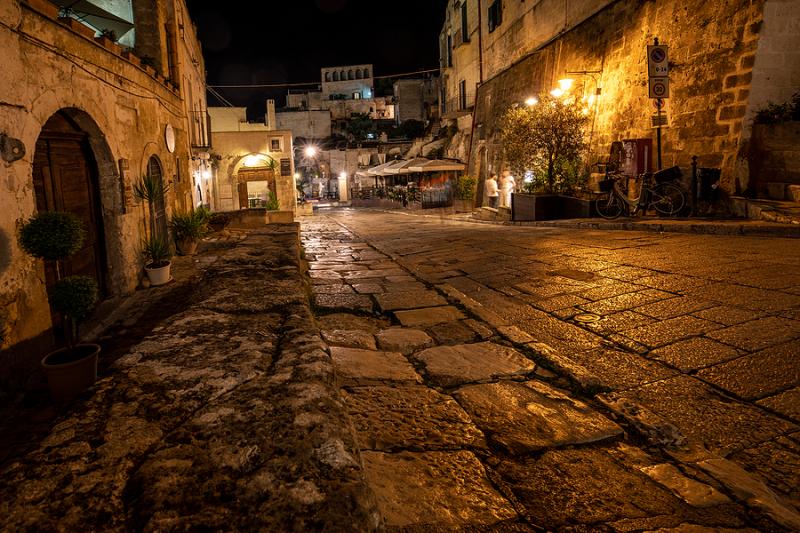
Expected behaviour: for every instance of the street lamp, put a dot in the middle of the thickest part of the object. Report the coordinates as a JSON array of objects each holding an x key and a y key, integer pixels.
[
  {"x": 310, "y": 151},
  {"x": 532, "y": 101}
]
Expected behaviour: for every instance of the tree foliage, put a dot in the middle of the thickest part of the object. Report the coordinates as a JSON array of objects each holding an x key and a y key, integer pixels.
[
  {"x": 547, "y": 139},
  {"x": 359, "y": 126}
]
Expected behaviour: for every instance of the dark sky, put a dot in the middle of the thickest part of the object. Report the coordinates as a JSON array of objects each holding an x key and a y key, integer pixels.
[{"x": 277, "y": 41}]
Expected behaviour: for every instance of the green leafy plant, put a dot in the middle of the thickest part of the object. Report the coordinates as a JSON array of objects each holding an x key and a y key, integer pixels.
[
  {"x": 272, "y": 203},
  {"x": 465, "y": 187},
  {"x": 546, "y": 138},
  {"x": 191, "y": 225},
  {"x": 156, "y": 251},
  {"x": 153, "y": 191},
  {"x": 777, "y": 113},
  {"x": 219, "y": 221},
  {"x": 75, "y": 298},
  {"x": 52, "y": 235}
]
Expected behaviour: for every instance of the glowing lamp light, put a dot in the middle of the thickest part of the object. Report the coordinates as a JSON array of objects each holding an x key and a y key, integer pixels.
[
  {"x": 296, "y": 176},
  {"x": 310, "y": 151},
  {"x": 528, "y": 177},
  {"x": 343, "y": 175},
  {"x": 565, "y": 84},
  {"x": 558, "y": 93},
  {"x": 206, "y": 174},
  {"x": 532, "y": 101},
  {"x": 253, "y": 161}
]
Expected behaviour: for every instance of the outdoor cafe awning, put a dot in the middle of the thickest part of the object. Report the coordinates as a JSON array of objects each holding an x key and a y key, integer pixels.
[
  {"x": 378, "y": 170},
  {"x": 436, "y": 165},
  {"x": 404, "y": 167}
]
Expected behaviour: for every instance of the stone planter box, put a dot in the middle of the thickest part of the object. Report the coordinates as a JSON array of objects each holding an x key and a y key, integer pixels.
[
  {"x": 77, "y": 27},
  {"x": 45, "y": 7},
  {"x": 532, "y": 207},
  {"x": 463, "y": 206}
]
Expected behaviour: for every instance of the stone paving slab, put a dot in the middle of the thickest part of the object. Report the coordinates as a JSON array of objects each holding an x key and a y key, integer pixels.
[
  {"x": 759, "y": 334},
  {"x": 786, "y": 403},
  {"x": 706, "y": 416},
  {"x": 692, "y": 354},
  {"x": 620, "y": 370},
  {"x": 351, "y": 302},
  {"x": 693, "y": 492},
  {"x": 777, "y": 462},
  {"x": 349, "y": 338},
  {"x": 356, "y": 366},
  {"x": 411, "y": 418},
  {"x": 429, "y": 316},
  {"x": 448, "y": 366},
  {"x": 395, "y": 301},
  {"x": 440, "y": 490},
  {"x": 586, "y": 487},
  {"x": 531, "y": 416},
  {"x": 403, "y": 340},
  {"x": 757, "y": 375}
]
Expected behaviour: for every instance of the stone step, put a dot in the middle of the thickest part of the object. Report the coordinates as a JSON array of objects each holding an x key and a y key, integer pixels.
[
  {"x": 782, "y": 212},
  {"x": 783, "y": 191}
]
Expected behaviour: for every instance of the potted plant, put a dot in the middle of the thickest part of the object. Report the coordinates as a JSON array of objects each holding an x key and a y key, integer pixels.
[
  {"x": 155, "y": 247},
  {"x": 219, "y": 221},
  {"x": 54, "y": 236},
  {"x": 157, "y": 253},
  {"x": 542, "y": 143},
  {"x": 464, "y": 194},
  {"x": 187, "y": 229}
]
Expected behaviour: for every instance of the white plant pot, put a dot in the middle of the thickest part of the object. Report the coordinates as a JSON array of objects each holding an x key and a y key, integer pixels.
[{"x": 158, "y": 276}]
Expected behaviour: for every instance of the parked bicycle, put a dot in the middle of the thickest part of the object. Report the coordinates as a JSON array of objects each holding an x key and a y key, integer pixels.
[{"x": 657, "y": 192}]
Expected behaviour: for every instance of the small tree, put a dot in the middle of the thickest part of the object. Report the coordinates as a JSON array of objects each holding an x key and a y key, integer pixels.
[
  {"x": 359, "y": 126},
  {"x": 546, "y": 138}
]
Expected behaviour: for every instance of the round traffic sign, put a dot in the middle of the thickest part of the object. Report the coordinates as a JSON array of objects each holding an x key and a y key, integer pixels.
[
  {"x": 659, "y": 89},
  {"x": 659, "y": 103},
  {"x": 657, "y": 55}
]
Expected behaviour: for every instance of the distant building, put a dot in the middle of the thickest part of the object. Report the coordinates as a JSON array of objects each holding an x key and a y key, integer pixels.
[
  {"x": 251, "y": 160},
  {"x": 416, "y": 99}
]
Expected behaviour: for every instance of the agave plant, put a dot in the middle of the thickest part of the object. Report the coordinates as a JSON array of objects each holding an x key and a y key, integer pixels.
[
  {"x": 156, "y": 251},
  {"x": 153, "y": 191}
]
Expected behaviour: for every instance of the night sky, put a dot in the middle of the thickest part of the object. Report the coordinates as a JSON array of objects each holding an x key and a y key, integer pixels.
[{"x": 289, "y": 41}]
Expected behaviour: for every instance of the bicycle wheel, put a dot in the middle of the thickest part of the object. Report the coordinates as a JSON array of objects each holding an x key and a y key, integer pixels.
[
  {"x": 610, "y": 207},
  {"x": 667, "y": 199}
]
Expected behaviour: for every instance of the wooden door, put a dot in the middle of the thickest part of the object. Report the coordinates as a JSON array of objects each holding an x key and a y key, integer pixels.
[{"x": 65, "y": 179}]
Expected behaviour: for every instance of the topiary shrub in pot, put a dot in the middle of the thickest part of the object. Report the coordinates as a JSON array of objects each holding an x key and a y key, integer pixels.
[{"x": 54, "y": 236}]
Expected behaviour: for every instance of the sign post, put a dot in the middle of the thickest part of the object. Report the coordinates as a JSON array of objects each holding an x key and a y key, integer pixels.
[{"x": 658, "y": 74}]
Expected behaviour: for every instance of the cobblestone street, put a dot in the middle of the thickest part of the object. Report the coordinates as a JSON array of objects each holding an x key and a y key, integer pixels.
[{"x": 554, "y": 378}]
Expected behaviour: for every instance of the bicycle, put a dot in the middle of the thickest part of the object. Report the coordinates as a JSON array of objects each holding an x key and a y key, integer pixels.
[{"x": 665, "y": 197}]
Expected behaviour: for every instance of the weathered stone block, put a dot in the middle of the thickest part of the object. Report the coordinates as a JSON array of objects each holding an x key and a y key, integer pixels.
[
  {"x": 441, "y": 490},
  {"x": 731, "y": 112},
  {"x": 464, "y": 363},
  {"x": 531, "y": 416}
]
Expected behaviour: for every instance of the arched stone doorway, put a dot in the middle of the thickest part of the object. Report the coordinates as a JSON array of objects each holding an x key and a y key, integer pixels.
[
  {"x": 255, "y": 178},
  {"x": 65, "y": 178}
]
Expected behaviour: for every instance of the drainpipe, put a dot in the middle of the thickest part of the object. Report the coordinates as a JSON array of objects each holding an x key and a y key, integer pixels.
[{"x": 480, "y": 45}]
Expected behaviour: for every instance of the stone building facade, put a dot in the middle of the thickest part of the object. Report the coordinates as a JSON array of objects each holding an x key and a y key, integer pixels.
[
  {"x": 727, "y": 61},
  {"x": 81, "y": 120},
  {"x": 249, "y": 161}
]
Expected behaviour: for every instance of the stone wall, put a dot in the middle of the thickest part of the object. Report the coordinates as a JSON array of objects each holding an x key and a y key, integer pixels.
[
  {"x": 712, "y": 52},
  {"x": 775, "y": 156},
  {"x": 51, "y": 66}
]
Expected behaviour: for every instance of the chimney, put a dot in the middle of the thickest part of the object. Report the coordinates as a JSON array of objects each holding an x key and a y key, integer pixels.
[{"x": 270, "y": 116}]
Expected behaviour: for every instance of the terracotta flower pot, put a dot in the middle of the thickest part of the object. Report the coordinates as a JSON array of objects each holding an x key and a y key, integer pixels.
[
  {"x": 187, "y": 246},
  {"x": 70, "y": 371}
]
